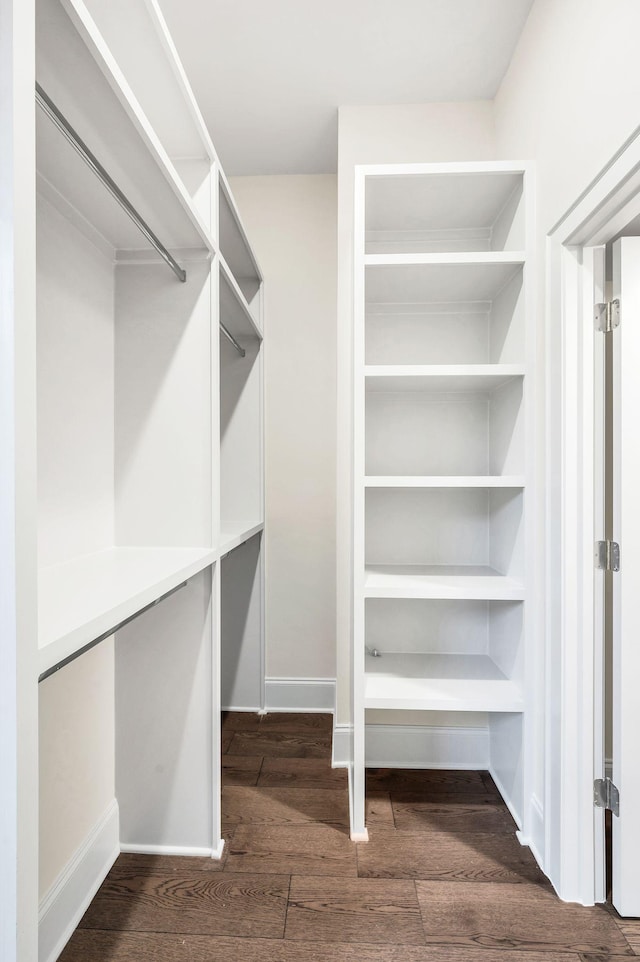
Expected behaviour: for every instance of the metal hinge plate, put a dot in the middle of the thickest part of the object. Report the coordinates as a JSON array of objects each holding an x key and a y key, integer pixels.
[
  {"x": 606, "y": 795},
  {"x": 607, "y": 316},
  {"x": 607, "y": 555}
]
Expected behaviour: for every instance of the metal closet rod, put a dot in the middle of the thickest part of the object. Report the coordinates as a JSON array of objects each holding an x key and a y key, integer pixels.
[
  {"x": 65, "y": 128},
  {"x": 241, "y": 351},
  {"x": 107, "y": 634}
]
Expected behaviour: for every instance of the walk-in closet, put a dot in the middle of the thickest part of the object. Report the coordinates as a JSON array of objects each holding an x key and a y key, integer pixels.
[{"x": 318, "y": 462}]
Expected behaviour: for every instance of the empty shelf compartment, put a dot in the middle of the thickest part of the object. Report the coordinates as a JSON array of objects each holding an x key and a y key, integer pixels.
[
  {"x": 456, "y": 211},
  {"x": 445, "y": 422},
  {"x": 439, "y": 682}
]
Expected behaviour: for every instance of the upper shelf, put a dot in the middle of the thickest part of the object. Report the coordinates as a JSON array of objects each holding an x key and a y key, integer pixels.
[
  {"x": 77, "y": 71},
  {"x": 157, "y": 79},
  {"x": 459, "y": 210},
  {"x": 87, "y": 597},
  {"x": 235, "y": 247},
  {"x": 235, "y": 313},
  {"x": 436, "y": 278}
]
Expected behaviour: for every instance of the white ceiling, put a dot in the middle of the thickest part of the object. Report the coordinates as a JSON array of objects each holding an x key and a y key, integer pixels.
[{"x": 269, "y": 75}]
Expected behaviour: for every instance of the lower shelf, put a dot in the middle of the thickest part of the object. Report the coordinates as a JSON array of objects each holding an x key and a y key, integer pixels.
[
  {"x": 441, "y": 581},
  {"x": 437, "y": 682},
  {"x": 88, "y": 596}
]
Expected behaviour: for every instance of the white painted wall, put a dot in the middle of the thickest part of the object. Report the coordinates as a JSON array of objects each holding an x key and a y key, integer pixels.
[
  {"x": 378, "y": 135},
  {"x": 292, "y": 225},
  {"x": 77, "y": 757},
  {"x": 18, "y": 616},
  {"x": 75, "y": 516},
  {"x": 557, "y": 107}
]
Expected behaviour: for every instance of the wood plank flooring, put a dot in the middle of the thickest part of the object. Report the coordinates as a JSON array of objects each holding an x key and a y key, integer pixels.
[{"x": 442, "y": 879}]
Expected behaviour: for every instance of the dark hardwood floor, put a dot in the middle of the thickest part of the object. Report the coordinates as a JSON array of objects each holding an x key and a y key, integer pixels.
[{"x": 442, "y": 879}]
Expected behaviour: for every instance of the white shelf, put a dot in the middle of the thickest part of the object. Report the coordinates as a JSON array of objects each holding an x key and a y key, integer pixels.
[
  {"x": 232, "y": 536},
  {"x": 441, "y": 581},
  {"x": 84, "y": 598},
  {"x": 435, "y": 481},
  {"x": 429, "y": 682},
  {"x": 448, "y": 259},
  {"x": 235, "y": 312},
  {"x": 77, "y": 70},
  {"x": 438, "y": 278},
  {"x": 440, "y": 378},
  {"x": 234, "y": 244},
  {"x": 168, "y": 101}
]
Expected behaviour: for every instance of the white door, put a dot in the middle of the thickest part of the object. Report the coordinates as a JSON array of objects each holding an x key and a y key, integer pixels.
[{"x": 626, "y": 582}]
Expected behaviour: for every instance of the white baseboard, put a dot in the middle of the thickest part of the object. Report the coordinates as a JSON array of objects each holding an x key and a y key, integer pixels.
[
  {"x": 419, "y": 746},
  {"x": 341, "y": 749},
  {"x": 192, "y": 852},
  {"x": 536, "y": 836},
  {"x": 415, "y": 746},
  {"x": 300, "y": 694},
  {"x": 70, "y": 895}
]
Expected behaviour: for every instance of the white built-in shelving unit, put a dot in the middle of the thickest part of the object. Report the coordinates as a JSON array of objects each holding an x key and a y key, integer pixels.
[
  {"x": 442, "y": 469},
  {"x": 150, "y": 450}
]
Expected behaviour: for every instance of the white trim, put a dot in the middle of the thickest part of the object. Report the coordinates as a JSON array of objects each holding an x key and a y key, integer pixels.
[
  {"x": 341, "y": 751},
  {"x": 218, "y": 851},
  {"x": 70, "y": 895},
  {"x": 523, "y": 838},
  {"x": 300, "y": 694},
  {"x": 424, "y": 746},
  {"x": 599, "y": 213},
  {"x": 130, "y": 848},
  {"x": 415, "y": 746},
  {"x": 535, "y": 839}
]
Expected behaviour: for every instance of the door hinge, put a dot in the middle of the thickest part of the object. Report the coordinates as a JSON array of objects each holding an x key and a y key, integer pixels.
[
  {"x": 607, "y": 555},
  {"x": 607, "y": 316},
  {"x": 606, "y": 795}
]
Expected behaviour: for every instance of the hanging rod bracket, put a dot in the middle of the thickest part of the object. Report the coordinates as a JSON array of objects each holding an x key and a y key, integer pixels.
[{"x": 60, "y": 121}]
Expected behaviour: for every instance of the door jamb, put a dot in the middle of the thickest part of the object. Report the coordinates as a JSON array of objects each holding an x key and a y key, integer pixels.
[{"x": 573, "y": 862}]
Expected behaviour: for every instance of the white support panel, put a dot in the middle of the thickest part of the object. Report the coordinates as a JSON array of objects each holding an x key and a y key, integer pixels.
[
  {"x": 165, "y": 724},
  {"x": 242, "y": 679},
  {"x": 163, "y": 418},
  {"x": 84, "y": 598},
  {"x": 438, "y": 682},
  {"x": 78, "y": 72},
  {"x": 507, "y": 750}
]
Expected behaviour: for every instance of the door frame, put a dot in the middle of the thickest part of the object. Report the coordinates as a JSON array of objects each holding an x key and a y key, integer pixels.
[{"x": 574, "y": 828}]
